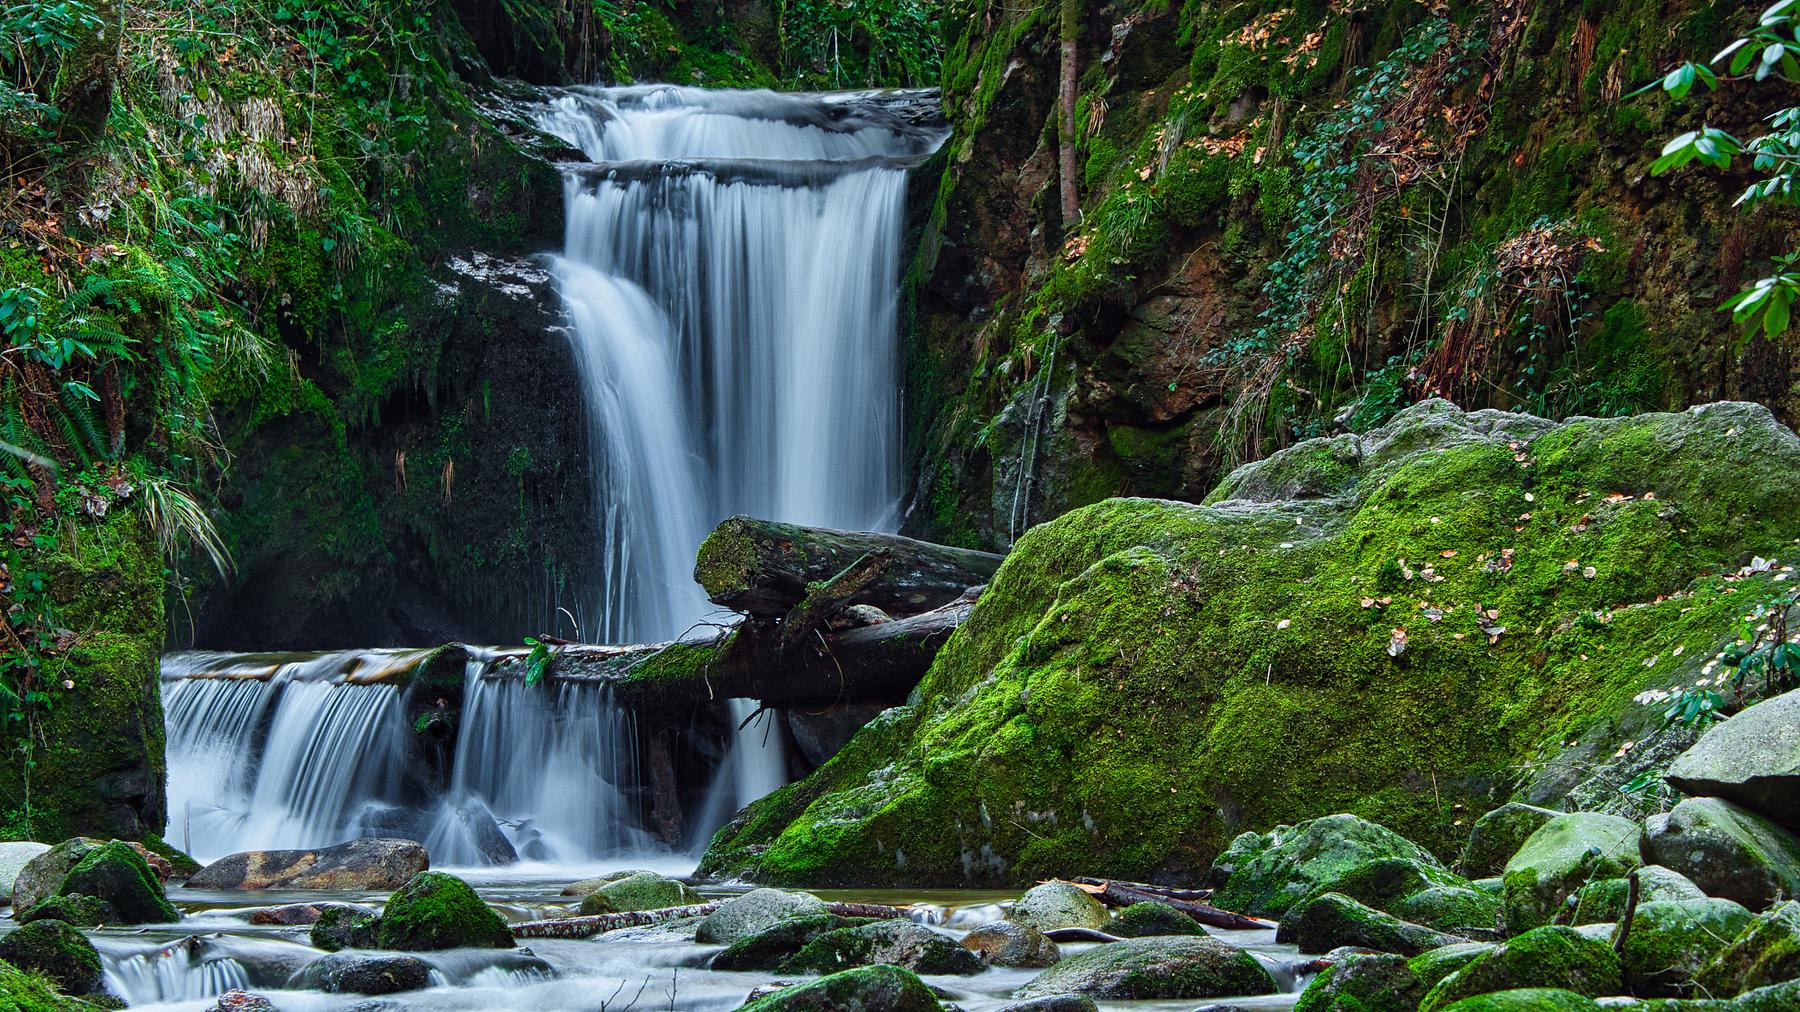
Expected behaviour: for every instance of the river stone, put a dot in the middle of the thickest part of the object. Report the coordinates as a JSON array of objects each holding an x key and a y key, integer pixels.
[
  {"x": 438, "y": 911},
  {"x": 1242, "y": 849},
  {"x": 1054, "y": 905},
  {"x": 345, "y": 926},
  {"x": 81, "y": 911},
  {"x": 1563, "y": 855},
  {"x": 1334, "y": 920},
  {"x": 1362, "y": 982},
  {"x": 878, "y": 988},
  {"x": 1671, "y": 940},
  {"x": 1766, "y": 952},
  {"x": 1149, "y": 918},
  {"x": 1752, "y": 759},
  {"x": 1453, "y": 910},
  {"x": 1498, "y": 835},
  {"x": 1009, "y": 944},
  {"x": 361, "y": 973},
  {"x": 43, "y": 874},
  {"x": 1528, "y": 999},
  {"x": 369, "y": 864},
  {"x": 116, "y": 873},
  {"x": 1054, "y": 1003},
  {"x": 1605, "y": 900},
  {"x": 766, "y": 949},
  {"x": 1433, "y": 966},
  {"x": 301, "y": 914},
  {"x": 1384, "y": 882},
  {"x": 588, "y": 885},
  {"x": 13, "y": 859},
  {"x": 899, "y": 943},
  {"x": 756, "y": 911},
  {"x": 1170, "y": 967},
  {"x": 57, "y": 951},
  {"x": 1726, "y": 850},
  {"x": 645, "y": 890},
  {"x": 1299, "y": 859},
  {"x": 241, "y": 1001},
  {"x": 1555, "y": 956}
]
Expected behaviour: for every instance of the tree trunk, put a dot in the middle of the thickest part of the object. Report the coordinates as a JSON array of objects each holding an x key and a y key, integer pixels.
[{"x": 1065, "y": 132}]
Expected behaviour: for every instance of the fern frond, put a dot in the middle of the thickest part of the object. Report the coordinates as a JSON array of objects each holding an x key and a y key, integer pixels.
[{"x": 177, "y": 518}]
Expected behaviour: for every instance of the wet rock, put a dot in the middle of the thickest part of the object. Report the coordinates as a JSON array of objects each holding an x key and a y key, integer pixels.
[
  {"x": 1672, "y": 940},
  {"x": 1531, "y": 999},
  {"x": 241, "y": 1001},
  {"x": 1358, "y": 983},
  {"x": 1782, "y": 997},
  {"x": 1009, "y": 944},
  {"x": 1193, "y": 967},
  {"x": 1386, "y": 881},
  {"x": 360, "y": 864},
  {"x": 345, "y": 926},
  {"x": 81, "y": 911},
  {"x": 1498, "y": 835},
  {"x": 13, "y": 859},
  {"x": 899, "y": 943},
  {"x": 1555, "y": 957},
  {"x": 1605, "y": 900},
  {"x": 863, "y": 989},
  {"x": 438, "y": 911},
  {"x": 1058, "y": 905},
  {"x": 1332, "y": 920},
  {"x": 1454, "y": 910},
  {"x": 1300, "y": 859},
  {"x": 1242, "y": 849},
  {"x": 588, "y": 885},
  {"x": 821, "y": 733},
  {"x": 358, "y": 973},
  {"x": 299, "y": 914},
  {"x": 1054, "y": 1003},
  {"x": 39, "y": 879},
  {"x": 755, "y": 911},
  {"x": 57, "y": 951},
  {"x": 1563, "y": 855},
  {"x": 1766, "y": 952},
  {"x": 1143, "y": 920},
  {"x": 1727, "y": 851},
  {"x": 1753, "y": 759},
  {"x": 117, "y": 874},
  {"x": 642, "y": 891},
  {"x": 766, "y": 949},
  {"x": 1433, "y": 966}
]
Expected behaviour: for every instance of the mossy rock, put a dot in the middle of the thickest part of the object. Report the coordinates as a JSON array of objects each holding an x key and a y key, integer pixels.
[
  {"x": 1670, "y": 941},
  {"x": 1782, "y": 997},
  {"x": 766, "y": 949},
  {"x": 1548, "y": 957},
  {"x": 439, "y": 911},
  {"x": 1143, "y": 920},
  {"x": 640, "y": 891},
  {"x": 1528, "y": 999},
  {"x": 588, "y": 885},
  {"x": 1728, "y": 851},
  {"x": 57, "y": 951},
  {"x": 26, "y": 991},
  {"x": 181, "y": 863},
  {"x": 755, "y": 912},
  {"x": 863, "y": 989},
  {"x": 1363, "y": 983},
  {"x": 1498, "y": 835},
  {"x": 1309, "y": 858},
  {"x": 117, "y": 873},
  {"x": 81, "y": 911},
  {"x": 1212, "y": 668},
  {"x": 1385, "y": 882},
  {"x": 44, "y": 873},
  {"x": 1433, "y": 966},
  {"x": 1004, "y": 943},
  {"x": 1560, "y": 858},
  {"x": 1767, "y": 952},
  {"x": 1143, "y": 968},
  {"x": 1332, "y": 920},
  {"x": 1052, "y": 905},
  {"x": 899, "y": 943},
  {"x": 1605, "y": 900},
  {"x": 1453, "y": 910},
  {"x": 342, "y": 926}
]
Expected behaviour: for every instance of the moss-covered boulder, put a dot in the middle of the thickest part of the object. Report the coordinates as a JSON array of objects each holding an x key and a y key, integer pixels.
[
  {"x": 1053, "y": 905},
  {"x": 1363, "y": 983},
  {"x": 43, "y": 875},
  {"x": 116, "y": 873},
  {"x": 1321, "y": 854},
  {"x": 82, "y": 911},
  {"x": 643, "y": 890},
  {"x": 57, "y": 951},
  {"x": 588, "y": 885},
  {"x": 1177, "y": 967},
  {"x": 1333, "y": 920},
  {"x": 863, "y": 989},
  {"x": 1670, "y": 941},
  {"x": 1009, "y": 944},
  {"x": 1271, "y": 656},
  {"x": 1604, "y": 900},
  {"x": 439, "y": 911},
  {"x": 363, "y": 973},
  {"x": 1433, "y": 966},
  {"x": 766, "y": 949},
  {"x": 899, "y": 943},
  {"x": 1453, "y": 910},
  {"x": 1549, "y": 957},
  {"x": 1565, "y": 854},
  {"x": 1527, "y": 999},
  {"x": 1752, "y": 759},
  {"x": 27, "y": 991},
  {"x": 1498, "y": 835},
  {"x": 1767, "y": 952},
  {"x": 1385, "y": 882},
  {"x": 1782, "y": 997},
  {"x": 344, "y": 926},
  {"x": 754, "y": 912},
  {"x": 1726, "y": 850},
  {"x": 1143, "y": 920}
]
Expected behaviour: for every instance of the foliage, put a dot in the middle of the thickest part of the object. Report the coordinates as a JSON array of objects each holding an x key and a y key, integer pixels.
[{"x": 1763, "y": 660}]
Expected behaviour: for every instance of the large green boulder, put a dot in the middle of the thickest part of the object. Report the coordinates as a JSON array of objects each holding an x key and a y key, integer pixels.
[
  {"x": 1549, "y": 957},
  {"x": 1053, "y": 905},
  {"x": 1433, "y": 966},
  {"x": 118, "y": 874},
  {"x": 1528, "y": 999},
  {"x": 644, "y": 890},
  {"x": 1301, "y": 860},
  {"x": 1385, "y": 882},
  {"x": 1142, "y": 968},
  {"x": 1766, "y": 952},
  {"x": 1263, "y": 659},
  {"x": 1562, "y": 856},
  {"x": 899, "y": 943},
  {"x": 57, "y": 951},
  {"x": 1332, "y": 920},
  {"x": 1604, "y": 900},
  {"x": 1498, "y": 835},
  {"x": 1453, "y": 910},
  {"x": 43, "y": 874},
  {"x": 864, "y": 989},
  {"x": 1727, "y": 851},
  {"x": 766, "y": 949},
  {"x": 1363, "y": 983},
  {"x": 754, "y": 912},
  {"x": 439, "y": 911},
  {"x": 1752, "y": 759},
  {"x": 1149, "y": 918},
  {"x": 1670, "y": 941}
]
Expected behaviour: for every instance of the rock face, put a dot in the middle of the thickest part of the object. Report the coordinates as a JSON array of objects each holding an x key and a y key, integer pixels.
[
  {"x": 1009, "y": 944},
  {"x": 1058, "y": 905},
  {"x": 358, "y": 973},
  {"x": 1214, "y": 668},
  {"x": 1726, "y": 850},
  {"x": 57, "y": 951},
  {"x": 1752, "y": 759},
  {"x": 13, "y": 859},
  {"x": 1498, "y": 835},
  {"x": 438, "y": 911},
  {"x": 897, "y": 943},
  {"x": 1563, "y": 855},
  {"x": 1155, "y": 968},
  {"x": 1555, "y": 957},
  {"x": 359, "y": 864},
  {"x": 864, "y": 989},
  {"x": 756, "y": 911}
]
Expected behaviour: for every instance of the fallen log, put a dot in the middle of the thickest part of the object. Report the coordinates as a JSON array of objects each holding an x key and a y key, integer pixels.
[
  {"x": 1116, "y": 894},
  {"x": 1080, "y": 935},
  {"x": 589, "y": 925},
  {"x": 1166, "y": 892},
  {"x": 763, "y": 568}
]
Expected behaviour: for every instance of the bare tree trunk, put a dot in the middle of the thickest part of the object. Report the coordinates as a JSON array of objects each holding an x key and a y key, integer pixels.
[{"x": 1071, "y": 204}]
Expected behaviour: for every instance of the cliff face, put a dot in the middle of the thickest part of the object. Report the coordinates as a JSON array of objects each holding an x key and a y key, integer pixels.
[{"x": 1297, "y": 218}]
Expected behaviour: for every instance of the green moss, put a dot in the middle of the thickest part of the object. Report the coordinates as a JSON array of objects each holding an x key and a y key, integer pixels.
[
  {"x": 56, "y": 950},
  {"x": 439, "y": 911},
  {"x": 1141, "y": 920},
  {"x": 118, "y": 874},
  {"x": 25, "y": 991},
  {"x": 82, "y": 911},
  {"x": 882, "y": 987},
  {"x": 1543, "y": 957},
  {"x": 1362, "y": 983}
]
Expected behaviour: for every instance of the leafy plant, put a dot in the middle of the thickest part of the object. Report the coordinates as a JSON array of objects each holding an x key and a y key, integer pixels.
[
  {"x": 537, "y": 662},
  {"x": 1763, "y": 652}
]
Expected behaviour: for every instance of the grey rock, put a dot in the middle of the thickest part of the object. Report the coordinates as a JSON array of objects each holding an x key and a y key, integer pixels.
[
  {"x": 1727, "y": 851},
  {"x": 1058, "y": 905},
  {"x": 43, "y": 873},
  {"x": 359, "y": 973},
  {"x": 1752, "y": 759},
  {"x": 755, "y": 911},
  {"x": 1010, "y": 944},
  {"x": 378, "y": 863},
  {"x": 1054, "y": 1003},
  {"x": 13, "y": 859},
  {"x": 1563, "y": 855}
]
